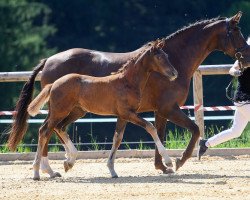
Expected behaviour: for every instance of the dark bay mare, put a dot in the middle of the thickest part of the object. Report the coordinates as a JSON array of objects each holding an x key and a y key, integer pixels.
[
  {"x": 187, "y": 48},
  {"x": 118, "y": 94}
]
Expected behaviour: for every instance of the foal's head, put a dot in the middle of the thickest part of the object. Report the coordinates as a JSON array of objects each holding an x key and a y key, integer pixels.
[{"x": 155, "y": 59}]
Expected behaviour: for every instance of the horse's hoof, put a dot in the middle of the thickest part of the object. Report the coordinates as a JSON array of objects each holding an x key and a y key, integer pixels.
[
  {"x": 115, "y": 176},
  {"x": 168, "y": 171},
  {"x": 67, "y": 166},
  {"x": 36, "y": 178},
  {"x": 178, "y": 163},
  {"x": 56, "y": 174}
]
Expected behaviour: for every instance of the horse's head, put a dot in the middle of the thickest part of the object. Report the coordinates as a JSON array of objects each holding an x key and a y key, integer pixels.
[
  {"x": 242, "y": 65},
  {"x": 231, "y": 40}
]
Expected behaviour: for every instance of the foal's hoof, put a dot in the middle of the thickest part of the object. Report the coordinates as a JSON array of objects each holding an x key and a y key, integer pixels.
[
  {"x": 67, "y": 166},
  {"x": 168, "y": 171},
  {"x": 169, "y": 164},
  {"x": 178, "y": 163},
  {"x": 36, "y": 178},
  {"x": 56, "y": 174},
  {"x": 115, "y": 176}
]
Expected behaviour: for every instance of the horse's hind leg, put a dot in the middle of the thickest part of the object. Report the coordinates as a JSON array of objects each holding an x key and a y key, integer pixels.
[
  {"x": 134, "y": 118},
  {"x": 119, "y": 131},
  {"x": 181, "y": 119},
  {"x": 160, "y": 124}
]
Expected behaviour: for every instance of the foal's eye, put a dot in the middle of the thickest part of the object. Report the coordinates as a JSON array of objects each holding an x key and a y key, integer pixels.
[{"x": 158, "y": 57}]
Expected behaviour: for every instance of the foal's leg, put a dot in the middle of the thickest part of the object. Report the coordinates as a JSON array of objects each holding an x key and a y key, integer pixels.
[
  {"x": 68, "y": 145},
  {"x": 119, "y": 131},
  {"x": 134, "y": 118},
  {"x": 181, "y": 119},
  {"x": 61, "y": 130},
  {"x": 71, "y": 157},
  {"x": 45, "y": 152},
  {"x": 44, "y": 132},
  {"x": 45, "y": 168},
  {"x": 44, "y": 165},
  {"x": 160, "y": 124}
]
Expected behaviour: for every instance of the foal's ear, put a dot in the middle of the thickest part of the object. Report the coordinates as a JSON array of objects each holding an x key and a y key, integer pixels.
[
  {"x": 236, "y": 18},
  {"x": 141, "y": 57}
]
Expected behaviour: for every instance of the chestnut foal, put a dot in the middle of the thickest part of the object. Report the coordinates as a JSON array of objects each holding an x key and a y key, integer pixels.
[{"x": 118, "y": 94}]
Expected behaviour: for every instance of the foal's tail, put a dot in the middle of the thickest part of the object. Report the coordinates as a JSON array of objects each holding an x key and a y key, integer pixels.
[
  {"x": 20, "y": 125},
  {"x": 40, "y": 100}
]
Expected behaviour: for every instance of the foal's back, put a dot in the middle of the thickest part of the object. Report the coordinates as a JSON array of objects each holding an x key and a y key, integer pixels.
[{"x": 99, "y": 95}]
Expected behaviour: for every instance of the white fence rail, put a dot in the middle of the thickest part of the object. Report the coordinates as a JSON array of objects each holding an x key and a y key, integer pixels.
[{"x": 197, "y": 85}]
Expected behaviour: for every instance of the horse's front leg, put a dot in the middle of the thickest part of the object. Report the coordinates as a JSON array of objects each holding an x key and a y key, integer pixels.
[
  {"x": 119, "y": 131},
  {"x": 181, "y": 119},
  {"x": 160, "y": 124}
]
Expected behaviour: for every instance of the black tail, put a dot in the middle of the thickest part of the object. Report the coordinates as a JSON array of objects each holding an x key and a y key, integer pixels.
[{"x": 20, "y": 125}]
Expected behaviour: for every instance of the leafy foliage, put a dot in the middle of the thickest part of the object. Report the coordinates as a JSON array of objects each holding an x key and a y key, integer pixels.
[
  {"x": 34, "y": 29},
  {"x": 23, "y": 33}
]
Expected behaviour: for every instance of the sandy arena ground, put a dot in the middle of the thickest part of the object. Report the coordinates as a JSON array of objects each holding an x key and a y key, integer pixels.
[{"x": 212, "y": 178}]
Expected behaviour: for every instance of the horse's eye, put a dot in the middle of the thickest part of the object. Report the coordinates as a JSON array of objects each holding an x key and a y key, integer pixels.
[{"x": 237, "y": 28}]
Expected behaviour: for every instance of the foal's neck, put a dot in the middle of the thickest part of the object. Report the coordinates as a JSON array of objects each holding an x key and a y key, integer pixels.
[{"x": 137, "y": 74}]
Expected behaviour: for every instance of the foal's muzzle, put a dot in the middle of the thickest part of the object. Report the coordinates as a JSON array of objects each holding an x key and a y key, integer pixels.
[{"x": 173, "y": 76}]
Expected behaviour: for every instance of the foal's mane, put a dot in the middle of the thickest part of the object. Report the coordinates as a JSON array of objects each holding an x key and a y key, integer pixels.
[{"x": 150, "y": 45}]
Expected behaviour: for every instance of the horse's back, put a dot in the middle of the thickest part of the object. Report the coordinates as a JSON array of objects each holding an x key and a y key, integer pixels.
[{"x": 82, "y": 61}]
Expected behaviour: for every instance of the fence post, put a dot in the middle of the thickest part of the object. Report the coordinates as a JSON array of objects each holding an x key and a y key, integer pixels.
[{"x": 198, "y": 101}]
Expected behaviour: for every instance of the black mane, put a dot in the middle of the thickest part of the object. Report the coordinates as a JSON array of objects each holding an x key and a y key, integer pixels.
[{"x": 200, "y": 22}]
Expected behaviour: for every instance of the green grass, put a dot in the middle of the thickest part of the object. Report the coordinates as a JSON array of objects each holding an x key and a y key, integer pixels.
[
  {"x": 176, "y": 139},
  {"x": 127, "y": 145},
  {"x": 179, "y": 139},
  {"x": 143, "y": 146},
  {"x": 20, "y": 149},
  {"x": 54, "y": 148},
  {"x": 4, "y": 149},
  {"x": 95, "y": 146}
]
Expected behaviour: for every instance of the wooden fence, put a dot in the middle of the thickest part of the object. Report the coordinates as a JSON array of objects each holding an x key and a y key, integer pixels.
[
  {"x": 198, "y": 89},
  {"x": 197, "y": 85}
]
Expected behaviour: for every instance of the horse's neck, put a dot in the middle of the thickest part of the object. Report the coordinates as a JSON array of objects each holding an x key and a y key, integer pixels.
[{"x": 187, "y": 52}]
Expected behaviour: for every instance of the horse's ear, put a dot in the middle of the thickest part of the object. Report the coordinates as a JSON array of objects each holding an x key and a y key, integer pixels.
[
  {"x": 236, "y": 18},
  {"x": 160, "y": 45}
]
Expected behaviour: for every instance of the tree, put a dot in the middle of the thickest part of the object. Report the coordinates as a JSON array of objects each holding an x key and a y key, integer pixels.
[{"x": 23, "y": 33}]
